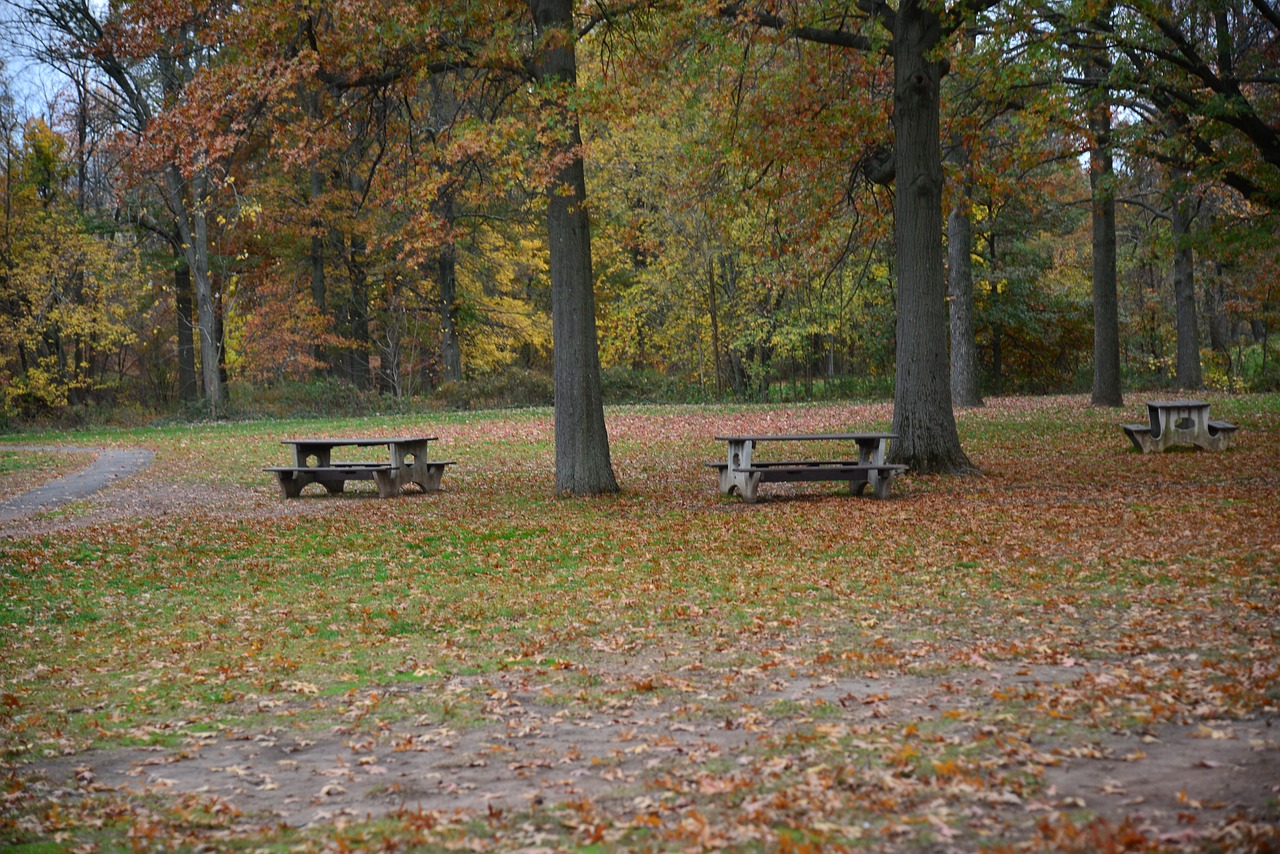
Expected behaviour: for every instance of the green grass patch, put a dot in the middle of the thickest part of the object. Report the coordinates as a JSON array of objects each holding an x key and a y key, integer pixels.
[{"x": 240, "y": 610}]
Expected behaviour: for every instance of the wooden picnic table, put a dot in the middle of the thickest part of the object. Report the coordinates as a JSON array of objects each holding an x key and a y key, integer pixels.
[
  {"x": 743, "y": 473},
  {"x": 1179, "y": 422},
  {"x": 313, "y": 463}
]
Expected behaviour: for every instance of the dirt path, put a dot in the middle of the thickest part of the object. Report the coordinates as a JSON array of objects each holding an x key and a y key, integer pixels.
[
  {"x": 108, "y": 466},
  {"x": 1172, "y": 781},
  {"x": 314, "y": 761}
]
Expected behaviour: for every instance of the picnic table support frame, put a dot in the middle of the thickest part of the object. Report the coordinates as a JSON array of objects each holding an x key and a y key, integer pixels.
[
  {"x": 1179, "y": 422},
  {"x": 313, "y": 463},
  {"x": 741, "y": 473}
]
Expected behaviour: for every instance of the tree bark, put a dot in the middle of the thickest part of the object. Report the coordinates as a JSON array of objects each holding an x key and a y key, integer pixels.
[
  {"x": 194, "y": 230},
  {"x": 1106, "y": 304},
  {"x": 922, "y": 416},
  {"x": 1188, "y": 374},
  {"x": 714, "y": 312},
  {"x": 965, "y": 390},
  {"x": 319, "y": 289},
  {"x": 444, "y": 112},
  {"x": 450, "y": 346},
  {"x": 1219, "y": 323},
  {"x": 355, "y": 315},
  {"x": 583, "y": 466},
  {"x": 187, "y": 390}
]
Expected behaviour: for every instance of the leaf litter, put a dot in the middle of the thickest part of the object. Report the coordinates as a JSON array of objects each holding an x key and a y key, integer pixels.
[{"x": 1037, "y": 659}]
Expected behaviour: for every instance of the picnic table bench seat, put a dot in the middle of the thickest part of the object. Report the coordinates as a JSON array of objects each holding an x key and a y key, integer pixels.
[
  {"x": 1139, "y": 434},
  {"x": 856, "y": 473},
  {"x": 1222, "y": 427},
  {"x": 334, "y": 476}
]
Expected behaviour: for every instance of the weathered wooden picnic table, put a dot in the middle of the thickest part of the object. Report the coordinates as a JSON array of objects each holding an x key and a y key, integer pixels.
[
  {"x": 742, "y": 473},
  {"x": 1179, "y": 422},
  {"x": 313, "y": 463}
]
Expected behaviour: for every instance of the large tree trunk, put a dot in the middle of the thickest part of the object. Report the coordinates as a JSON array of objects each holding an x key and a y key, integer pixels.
[
  {"x": 965, "y": 390},
  {"x": 583, "y": 466},
  {"x": 1184, "y": 295},
  {"x": 1106, "y": 304},
  {"x": 922, "y": 415}
]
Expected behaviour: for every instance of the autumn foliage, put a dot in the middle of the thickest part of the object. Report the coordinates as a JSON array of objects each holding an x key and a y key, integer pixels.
[
  {"x": 357, "y": 193},
  {"x": 1076, "y": 651}
]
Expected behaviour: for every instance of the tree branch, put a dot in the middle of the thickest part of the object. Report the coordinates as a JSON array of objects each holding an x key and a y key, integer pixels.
[{"x": 818, "y": 35}]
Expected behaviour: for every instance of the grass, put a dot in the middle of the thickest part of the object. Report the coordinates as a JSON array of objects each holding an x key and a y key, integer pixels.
[
  {"x": 1070, "y": 547},
  {"x": 23, "y": 470}
]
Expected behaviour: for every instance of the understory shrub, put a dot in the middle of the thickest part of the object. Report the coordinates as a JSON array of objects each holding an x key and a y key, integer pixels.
[{"x": 507, "y": 388}]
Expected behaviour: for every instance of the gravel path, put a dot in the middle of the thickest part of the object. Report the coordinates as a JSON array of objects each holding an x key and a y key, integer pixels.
[{"x": 109, "y": 465}]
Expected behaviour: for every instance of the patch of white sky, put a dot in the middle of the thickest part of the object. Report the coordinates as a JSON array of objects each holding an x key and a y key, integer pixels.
[{"x": 33, "y": 83}]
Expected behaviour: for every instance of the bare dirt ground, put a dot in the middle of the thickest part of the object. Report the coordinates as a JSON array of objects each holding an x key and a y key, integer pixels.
[
  {"x": 1170, "y": 780},
  {"x": 1173, "y": 781}
]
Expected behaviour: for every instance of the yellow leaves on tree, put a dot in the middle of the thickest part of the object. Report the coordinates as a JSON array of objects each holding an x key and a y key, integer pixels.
[{"x": 66, "y": 291}]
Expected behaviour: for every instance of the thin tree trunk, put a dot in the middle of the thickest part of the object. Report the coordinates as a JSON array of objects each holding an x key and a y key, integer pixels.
[
  {"x": 444, "y": 113},
  {"x": 193, "y": 227},
  {"x": 447, "y": 276},
  {"x": 965, "y": 390},
  {"x": 715, "y": 325},
  {"x": 583, "y": 466},
  {"x": 187, "y": 390},
  {"x": 319, "y": 290},
  {"x": 1184, "y": 293},
  {"x": 450, "y": 346},
  {"x": 922, "y": 416},
  {"x": 1215, "y": 309},
  {"x": 358, "y": 371}
]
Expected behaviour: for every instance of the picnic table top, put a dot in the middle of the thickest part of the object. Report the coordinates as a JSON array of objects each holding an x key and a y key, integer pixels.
[
  {"x": 363, "y": 443},
  {"x": 806, "y": 437},
  {"x": 1175, "y": 404}
]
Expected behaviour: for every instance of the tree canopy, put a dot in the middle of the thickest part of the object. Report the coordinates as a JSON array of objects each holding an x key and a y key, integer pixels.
[{"x": 744, "y": 200}]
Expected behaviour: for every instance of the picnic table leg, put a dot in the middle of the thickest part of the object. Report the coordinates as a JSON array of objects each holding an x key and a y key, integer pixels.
[
  {"x": 740, "y": 457},
  {"x": 748, "y": 487},
  {"x": 410, "y": 463},
  {"x": 1199, "y": 418},
  {"x": 431, "y": 479},
  {"x": 882, "y": 486},
  {"x": 291, "y": 484},
  {"x": 1139, "y": 440},
  {"x": 1219, "y": 440},
  {"x": 871, "y": 451},
  {"x": 388, "y": 483},
  {"x": 1160, "y": 430}
]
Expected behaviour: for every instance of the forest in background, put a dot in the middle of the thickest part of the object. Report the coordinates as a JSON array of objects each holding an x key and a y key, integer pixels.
[{"x": 230, "y": 207}]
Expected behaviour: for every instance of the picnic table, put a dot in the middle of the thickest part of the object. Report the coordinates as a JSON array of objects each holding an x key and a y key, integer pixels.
[
  {"x": 742, "y": 473},
  {"x": 313, "y": 463},
  {"x": 1179, "y": 422}
]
